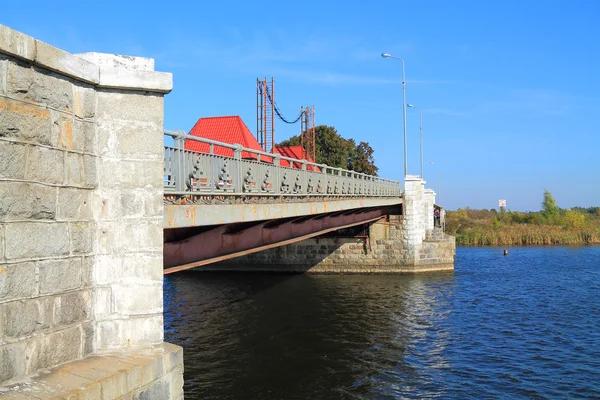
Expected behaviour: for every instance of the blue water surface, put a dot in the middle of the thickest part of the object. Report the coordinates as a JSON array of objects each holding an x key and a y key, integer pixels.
[{"x": 526, "y": 325}]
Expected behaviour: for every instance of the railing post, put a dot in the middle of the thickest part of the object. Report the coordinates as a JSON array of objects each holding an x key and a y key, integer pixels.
[
  {"x": 237, "y": 169},
  {"x": 180, "y": 164},
  {"x": 304, "y": 181},
  {"x": 276, "y": 174}
]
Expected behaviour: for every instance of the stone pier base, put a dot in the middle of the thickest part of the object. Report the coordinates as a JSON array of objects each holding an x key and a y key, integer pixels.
[{"x": 151, "y": 373}]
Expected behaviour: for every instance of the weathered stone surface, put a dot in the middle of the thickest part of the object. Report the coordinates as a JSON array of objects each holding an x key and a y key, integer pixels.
[
  {"x": 132, "y": 73},
  {"x": 90, "y": 178},
  {"x": 35, "y": 85},
  {"x": 46, "y": 165},
  {"x": 71, "y": 307},
  {"x": 82, "y": 236},
  {"x": 87, "y": 271},
  {"x": 3, "y": 73},
  {"x": 157, "y": 390},
  {"x": 123, "y": 237},
  {"x": 74, "y": 169},
  {"x": 88, "y": 337},
  {"x": 12, "y": 160},
  {"x": 119, "y": 139},
  {"x": 59, "y": 112},
  {"x": 147, "y": 299},
  {"x": 74, "y": 204},
  {"x": 59, "y": 275},
  {"x": 16, "y": 43},
  {"x": 23, "y": 317},
  {"x": 20, "y": 200},
  {"x": 1, "y": 242},
  {"x": 102, "y": 301},
  {"x": 65, "y": 63},
  {"x": 122, "y": 333},
  {"x": 138, "y": 268},
  {"x": 139, "y": 106},
  {"x": 84, "y": 101},
  {"x": 132, "y": 174},
  {"x": 17, "y": 280},
  {"x": 88, "y": 130},
  {"x": 25, "y": 122},
  {"x": 57, "y": 348},
  {"x": 119, "y": 61},
  {"x": 146, "y": 202},
  {"x": 36, "y": 239},
  {"x": 123, "y": 376},
  {"x": 9, "y": 359},
  {"x": 161, "y": 82}
]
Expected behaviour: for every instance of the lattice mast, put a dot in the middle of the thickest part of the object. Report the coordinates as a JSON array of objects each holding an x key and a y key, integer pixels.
[
  {"x": 265, "y": 117},
  {"x": 307, "y": 131}
]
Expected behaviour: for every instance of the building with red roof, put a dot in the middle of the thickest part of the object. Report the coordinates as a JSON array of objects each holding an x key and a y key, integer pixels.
[
  {"x": 230, "y": 129},
  {"x": 297, "y": 152}
]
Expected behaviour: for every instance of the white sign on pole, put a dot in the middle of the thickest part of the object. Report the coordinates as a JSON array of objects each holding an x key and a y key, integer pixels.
[{"x": 501, "y": 203}]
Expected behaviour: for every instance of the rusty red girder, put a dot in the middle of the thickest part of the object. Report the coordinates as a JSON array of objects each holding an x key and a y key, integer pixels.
[{"x": 229, "y": 241}]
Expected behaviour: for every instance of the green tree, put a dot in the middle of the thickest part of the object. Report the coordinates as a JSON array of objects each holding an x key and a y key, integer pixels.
[
  {"x": 332, "y": 149},
  {"x": 361, "y": 159},
  {"x": 574, "y": 219},
  {"x": 550, "y": 210}
]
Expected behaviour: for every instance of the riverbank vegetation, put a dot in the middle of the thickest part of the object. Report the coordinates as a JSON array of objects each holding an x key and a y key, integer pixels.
[{"x": 550, "y": 226}]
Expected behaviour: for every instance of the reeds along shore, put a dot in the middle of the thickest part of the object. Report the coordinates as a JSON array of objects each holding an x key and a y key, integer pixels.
[
  {"x": 526, "y": 235},
  {"x": 551, "y": 226}
]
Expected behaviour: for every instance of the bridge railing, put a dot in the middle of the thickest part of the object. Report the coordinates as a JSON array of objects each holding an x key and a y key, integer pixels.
[{"x": 245, "y": 171}]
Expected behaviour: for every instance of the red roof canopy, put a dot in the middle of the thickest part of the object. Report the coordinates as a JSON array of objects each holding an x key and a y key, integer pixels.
[
  {"x": 230, "y": 129},
  {"x": 297, "y": 152}
]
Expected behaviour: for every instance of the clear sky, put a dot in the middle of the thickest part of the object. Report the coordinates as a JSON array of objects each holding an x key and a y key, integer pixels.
[{"x": 510, "y": 90}]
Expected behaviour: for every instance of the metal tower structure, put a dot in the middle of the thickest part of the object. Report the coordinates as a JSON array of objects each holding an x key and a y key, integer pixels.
[
  {"x": 265, "y": 116},
  {"x": 307, "y": 131},
  {"x": 266, "y": 109}
]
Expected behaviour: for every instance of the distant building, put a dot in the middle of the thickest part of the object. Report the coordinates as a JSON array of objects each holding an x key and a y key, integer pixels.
[
  {"x": 297, "y": 152},
  {"x": 230, "y": 129}
]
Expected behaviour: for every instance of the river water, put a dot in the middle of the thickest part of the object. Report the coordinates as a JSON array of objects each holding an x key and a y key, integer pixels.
[{"x": 522, "y": 326}]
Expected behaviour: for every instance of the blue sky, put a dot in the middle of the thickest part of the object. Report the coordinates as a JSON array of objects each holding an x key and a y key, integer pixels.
[{"x": 509, "y": 89}]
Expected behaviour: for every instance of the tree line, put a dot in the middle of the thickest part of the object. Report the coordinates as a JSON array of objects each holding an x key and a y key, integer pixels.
[{"x": 551, "y": 225}]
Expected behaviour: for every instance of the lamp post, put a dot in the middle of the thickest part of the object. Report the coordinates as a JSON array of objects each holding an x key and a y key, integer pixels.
[
  {"x": 386, "y": 55},
  {"x": 420, "y": 133},
  {"x": 438, "y": 171}
]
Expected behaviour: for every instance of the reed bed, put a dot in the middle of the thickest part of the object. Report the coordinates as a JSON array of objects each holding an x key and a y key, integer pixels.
[{"x": 526, "y": 235}]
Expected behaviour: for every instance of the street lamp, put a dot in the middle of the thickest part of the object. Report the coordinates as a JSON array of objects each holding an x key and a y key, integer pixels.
[
  {"x": 438, "y": 171},
  {"x": 420, "y": 133},
  {"x": 386, "y": 55}
]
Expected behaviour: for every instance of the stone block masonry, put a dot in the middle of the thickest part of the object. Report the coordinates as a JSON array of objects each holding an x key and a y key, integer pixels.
[{"x": 80, "y": 265}]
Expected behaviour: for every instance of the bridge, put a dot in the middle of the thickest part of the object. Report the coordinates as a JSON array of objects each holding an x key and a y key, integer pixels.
[
  {"x": 94, "y": 206},
  {"x": 219, "y": 207}
]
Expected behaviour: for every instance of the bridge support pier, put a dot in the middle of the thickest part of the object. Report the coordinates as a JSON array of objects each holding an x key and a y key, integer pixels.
[{"x": 81, "y": 214}]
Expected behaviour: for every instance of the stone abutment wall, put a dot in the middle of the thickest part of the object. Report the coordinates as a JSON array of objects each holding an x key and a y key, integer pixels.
[{"x": 81, "y": 192}]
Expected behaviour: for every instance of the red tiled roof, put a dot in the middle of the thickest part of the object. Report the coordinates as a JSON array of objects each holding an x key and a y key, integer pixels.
[
  {"x": 230, "y": 130},
  {"x": 297, "y": 152}
]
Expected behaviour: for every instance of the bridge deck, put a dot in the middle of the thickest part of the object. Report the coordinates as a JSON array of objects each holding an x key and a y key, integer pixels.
[{"x": 190, "y": 215}]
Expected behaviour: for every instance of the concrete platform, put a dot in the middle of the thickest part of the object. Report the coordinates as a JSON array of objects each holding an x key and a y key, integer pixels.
[{"x": 152, "y": 373}]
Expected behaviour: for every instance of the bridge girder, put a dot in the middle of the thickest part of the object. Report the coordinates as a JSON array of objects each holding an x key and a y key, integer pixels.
[{"x": 229, "y": 241}]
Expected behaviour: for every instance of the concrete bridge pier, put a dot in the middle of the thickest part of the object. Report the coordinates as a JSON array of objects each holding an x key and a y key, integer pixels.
[{"x": 81, "y": 214}]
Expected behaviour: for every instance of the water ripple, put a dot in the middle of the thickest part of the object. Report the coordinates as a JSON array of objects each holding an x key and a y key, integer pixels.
[{"x": 523, "y": 326}]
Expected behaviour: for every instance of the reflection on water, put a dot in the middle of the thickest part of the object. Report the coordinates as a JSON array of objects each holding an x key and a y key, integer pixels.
[{"x": 525, "y": 326}]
